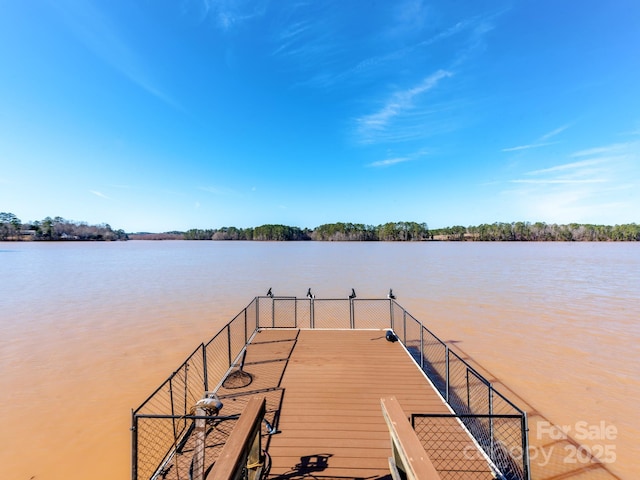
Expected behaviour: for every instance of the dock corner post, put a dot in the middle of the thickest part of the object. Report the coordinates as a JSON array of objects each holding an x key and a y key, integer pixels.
[
  {"x": 134, "y": 446},
  {"x": 525, "y": 447},
  {"x": 312, "y": 319},
  {"x": 391, "y": 322}
]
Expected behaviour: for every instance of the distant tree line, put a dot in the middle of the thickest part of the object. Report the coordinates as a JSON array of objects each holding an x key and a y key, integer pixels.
[
  {"x": 263, "y": 232},
  {"x": 540, "y": 232},
  {"x": 388, "y": 232},
  {"x": 57, "y": 228},
  {"x": 412, "y": 231},
  {"x": 393, "y": 231}
]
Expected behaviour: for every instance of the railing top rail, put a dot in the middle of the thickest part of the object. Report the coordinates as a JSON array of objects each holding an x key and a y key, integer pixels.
[
  {"x": 465, "y": 415},
  {"x": 189, "y": 417}
]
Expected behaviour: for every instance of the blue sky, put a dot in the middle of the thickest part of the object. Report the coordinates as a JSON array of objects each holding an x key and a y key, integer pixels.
[{"x": 157, "y": 115}]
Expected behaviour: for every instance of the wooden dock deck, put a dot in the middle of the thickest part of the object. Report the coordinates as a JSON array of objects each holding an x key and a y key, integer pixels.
[{"x": 323, "y": 391}]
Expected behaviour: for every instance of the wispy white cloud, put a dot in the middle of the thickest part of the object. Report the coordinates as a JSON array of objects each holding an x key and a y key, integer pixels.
[
  {"x": 541, "y": 141},
  {"x": 609, "y": 149},
  {"x": 99, "y": 194},
  {"x": 555, "y": 132},
  {"x": 399, "y": 33},
  {"x": 604, "y": 187},
  {"x": 558, "y": 181},
  {"x": 100, "y": 35},
  {"x": 291, "y": 36},
  {"x": 389, "y": 161},
  {"x": 566, "y": 166},
  {"x": 229, "y": 14},
  {"x": 410, "y": 114},
  {"x": 400, "y": 102},
  {"x": 395, "y": 160},
  {"x": 527, "y": 147}
]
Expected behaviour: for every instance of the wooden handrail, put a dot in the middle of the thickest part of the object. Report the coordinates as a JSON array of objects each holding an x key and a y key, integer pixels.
[
  {"x": 408, "y": 453},
  {"x": 243, "y": 447}
]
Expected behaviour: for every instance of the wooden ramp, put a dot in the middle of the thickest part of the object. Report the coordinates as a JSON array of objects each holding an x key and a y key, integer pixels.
[{"x": 329, "y": 422}]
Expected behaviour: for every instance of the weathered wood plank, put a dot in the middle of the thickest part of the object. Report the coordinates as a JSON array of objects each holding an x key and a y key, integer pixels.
[
  {"x": 240, "y": 441},
  {"x": 409, "y": 455}
]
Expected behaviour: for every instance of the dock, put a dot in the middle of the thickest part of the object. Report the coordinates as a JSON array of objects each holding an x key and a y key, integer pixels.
[{"x": 322, "y": 390}]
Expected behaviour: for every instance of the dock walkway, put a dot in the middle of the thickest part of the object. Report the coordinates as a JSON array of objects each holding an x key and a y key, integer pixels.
[{"x": 323, "y": 391}]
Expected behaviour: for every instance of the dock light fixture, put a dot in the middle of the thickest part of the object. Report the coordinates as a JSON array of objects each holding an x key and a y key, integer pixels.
[
  {"x": 269, "y": 293},
  {"x": 391, "y": 296},
  {"x": 353, "y": 294}
]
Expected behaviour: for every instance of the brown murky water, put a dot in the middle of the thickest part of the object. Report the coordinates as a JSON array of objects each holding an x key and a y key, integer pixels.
[{"x": 87, "y": 331}]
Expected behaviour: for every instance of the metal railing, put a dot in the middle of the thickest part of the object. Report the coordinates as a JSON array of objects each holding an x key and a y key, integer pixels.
[
  {"x": 501, "y": 438},
  {"x": 482, "y": 409}
]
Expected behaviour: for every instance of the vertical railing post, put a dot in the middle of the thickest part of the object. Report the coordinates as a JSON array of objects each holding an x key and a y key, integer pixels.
[
  {"x": 186, "y": 383},
  {"x": 391, "y": 322},
  {"x": 173, "y": 413},
  {"x": 351, "y": 315},
  {"x": 468, "y": 394},
  {"x": 257, "y": 300},
  {"x": 404, "y": 326},
  {"x": 312, "y": 313},
  {"x": 204, "y": 367},
  {"x": 229, "y": 342},
  {"x": 273, "y": 312},
  {"x": 491, "y": 433},
  {"x": 134, "y": 446},
  {"x": 525, "y": 446},
  {"x": 421, "y": 347},
  {"x": 446, "y": 351},
  {"x": 246, "y": 333}
]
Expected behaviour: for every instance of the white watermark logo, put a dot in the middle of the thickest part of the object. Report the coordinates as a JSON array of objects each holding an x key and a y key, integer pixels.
[
  {"x": 602, "y": 433},
  {"x": 601, "y": 437},
  {"x": 579, "y": 431}
]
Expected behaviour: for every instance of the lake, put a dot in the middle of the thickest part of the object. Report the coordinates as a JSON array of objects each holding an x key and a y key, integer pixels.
[{"x": 88, "y": 330}]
